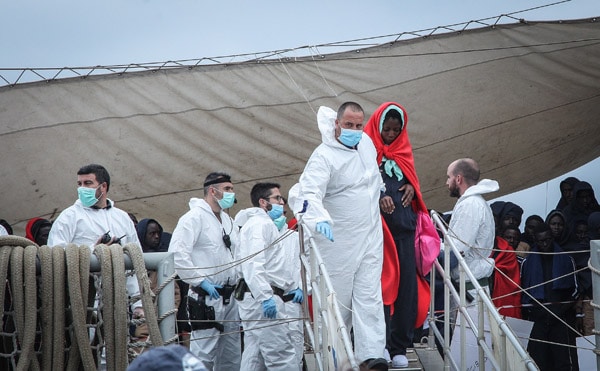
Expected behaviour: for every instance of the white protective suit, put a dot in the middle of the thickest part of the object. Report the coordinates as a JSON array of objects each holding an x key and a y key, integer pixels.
[
  {"x": 472, "y": 228},
  {"x": 268, "y": 344},
  {"x": 343, "y": 186},
  {"x": 84, "y": 226},
  {"x": 200, "y": 253},
  {"x": 472, "y": 231}
]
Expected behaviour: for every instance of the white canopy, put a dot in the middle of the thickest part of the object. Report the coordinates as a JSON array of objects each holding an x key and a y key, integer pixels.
[{"x": 521, "y": 99}]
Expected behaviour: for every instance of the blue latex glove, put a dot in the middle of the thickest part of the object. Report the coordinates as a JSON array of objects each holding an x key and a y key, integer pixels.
[
  {"x": 298, "y": 295},
  {"x": 269, "y": 308},
  {"x": 325, "y": 229},
  {"x": 211, "y": 289}
]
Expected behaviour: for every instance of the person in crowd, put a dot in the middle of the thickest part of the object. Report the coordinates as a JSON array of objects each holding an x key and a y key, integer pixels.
[
  {"x": 512, "y": 235},
  {"x": 557, "y": 222},
  {"x": 6, "y": 227},
  {"x": 402, "y": 198},
  {"x": 506, "y": 279},
  {"x": 342, "y": 185},
  {"x": 37, "y": 230},
  {"x": 593, "y": 224},
  {"x": 150, "y": 233},
  {"x": 166, "y": 358},
  {"x": 527, "y": 237},
  {"x": 550, "y": 285},
  {"x": 272, "y": 282},
  {"x": 472, "y": 227},
  {"x": 584, "y": 203},
  {"x": 566, "y": 192},
  {"x": 205, "y": 242},
  {"x": 579, "y": 248},
  {"x": 94, "y": 219}
]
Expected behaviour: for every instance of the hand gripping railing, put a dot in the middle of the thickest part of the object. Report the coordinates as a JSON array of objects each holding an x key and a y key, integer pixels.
[{"x": 508, "y": 338}]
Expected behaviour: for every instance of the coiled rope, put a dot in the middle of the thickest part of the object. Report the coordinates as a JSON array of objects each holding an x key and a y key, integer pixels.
[{"x": 66, "y": 328}]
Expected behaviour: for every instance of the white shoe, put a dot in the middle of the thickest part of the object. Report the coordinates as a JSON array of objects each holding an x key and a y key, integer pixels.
[
  {"x": 400, "y": 361},
  {"x": 386, "y": 355}
]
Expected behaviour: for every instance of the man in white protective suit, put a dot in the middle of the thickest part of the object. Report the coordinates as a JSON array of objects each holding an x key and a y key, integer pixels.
[
  {"x": 94, "y": 219},
  {"x": 267, "y": 309},
  {"x": 205, "y": 243},
  {"x": 472, "y": 228},
  {"x": 342, "y": 185}
]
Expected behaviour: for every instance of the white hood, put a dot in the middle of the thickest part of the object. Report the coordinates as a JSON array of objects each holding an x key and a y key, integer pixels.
[
  {"x": 482, "y": 187},
  {"x": 244, "y": 215}
]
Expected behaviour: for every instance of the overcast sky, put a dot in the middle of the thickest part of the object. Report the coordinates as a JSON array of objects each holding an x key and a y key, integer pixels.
[
  {"x": 73, "y": 33},
  {"x": 62, "y": 33}
]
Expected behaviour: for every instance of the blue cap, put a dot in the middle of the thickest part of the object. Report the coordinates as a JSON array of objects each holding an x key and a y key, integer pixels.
[{"x": 170, "y": 357}]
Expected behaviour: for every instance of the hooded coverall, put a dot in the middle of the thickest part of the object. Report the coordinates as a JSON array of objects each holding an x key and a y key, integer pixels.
[
  {"x": 342, "y": 186},
  {"x": 268, "y": 344},
  {"x": 200, "y": 254}
]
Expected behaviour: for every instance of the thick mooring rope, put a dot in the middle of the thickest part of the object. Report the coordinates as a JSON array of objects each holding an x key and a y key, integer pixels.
[
  {"x": 78, "y": 285},
  {"x": 137, "y": 259},
  {"x": 64, "y": 297}
]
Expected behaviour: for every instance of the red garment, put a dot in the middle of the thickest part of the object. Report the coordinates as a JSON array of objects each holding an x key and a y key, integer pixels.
[
  {"x": 390, "y": 271},
  {"x": 424, "y": 300},
  {"x": 29, "y": 226},
  {"x": 506, "y": 262},
  {"x": 401, "y": 152}
]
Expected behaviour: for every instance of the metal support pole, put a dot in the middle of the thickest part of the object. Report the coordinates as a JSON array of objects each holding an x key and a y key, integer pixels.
[{"x": 595, "y": 262}]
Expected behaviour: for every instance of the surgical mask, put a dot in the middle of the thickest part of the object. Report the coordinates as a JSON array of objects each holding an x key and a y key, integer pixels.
[
  {"x": 87, "y": 196},
  {"x": 280, "y": 222},
  {"x": 350, "y": 137},
  {"x": 276, "y": 211},
  {"x": 227, "y": 201}
]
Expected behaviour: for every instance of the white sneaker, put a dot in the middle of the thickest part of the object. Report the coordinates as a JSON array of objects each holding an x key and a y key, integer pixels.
[
  {"x": 400, "y": 361},
  {"x": 386, "y": 355}
]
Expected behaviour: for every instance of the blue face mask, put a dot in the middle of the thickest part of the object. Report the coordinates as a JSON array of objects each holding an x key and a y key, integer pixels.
[
  {"x": 350, "y": 137},
  {"x": 280, "y": 222},
  {"x": 227, "y": 201},
  {"x": 87, "y": 196},
  {"x": 276, "y": 211}
]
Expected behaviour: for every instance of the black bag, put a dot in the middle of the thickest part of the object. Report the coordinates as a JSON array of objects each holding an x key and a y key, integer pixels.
[
  {"x": 201, "y": 315},
  {"x": 240, "y": 290}
]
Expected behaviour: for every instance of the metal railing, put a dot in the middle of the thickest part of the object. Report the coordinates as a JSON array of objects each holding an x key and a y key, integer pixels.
[
  {"x": 327, "y": 334},
  {"x": 507, "y": 343}
]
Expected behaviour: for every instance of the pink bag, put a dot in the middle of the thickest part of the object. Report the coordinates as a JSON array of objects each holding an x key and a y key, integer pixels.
[{"x": 427, "y": 243}]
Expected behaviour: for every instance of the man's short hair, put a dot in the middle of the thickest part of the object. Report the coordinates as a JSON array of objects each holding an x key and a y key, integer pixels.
[
  {"x": 353, "y": 107},
  {"x": 469, "y": 170},
  {"x": 99, "y": 171},
  {"x": 211, "y": 179},
  {"x": 261, "y": 190}
]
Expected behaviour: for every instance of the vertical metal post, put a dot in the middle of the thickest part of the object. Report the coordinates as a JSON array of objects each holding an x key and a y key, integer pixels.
[
  {"x": 165, "y": 269},
  {"x": 480, "y": 331},
  {"x": 463, "y": 322},
  {"x": 447, "y": 308},
  {"x": 595, "y": 261},
  {"x": 431, "y": 336}
]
